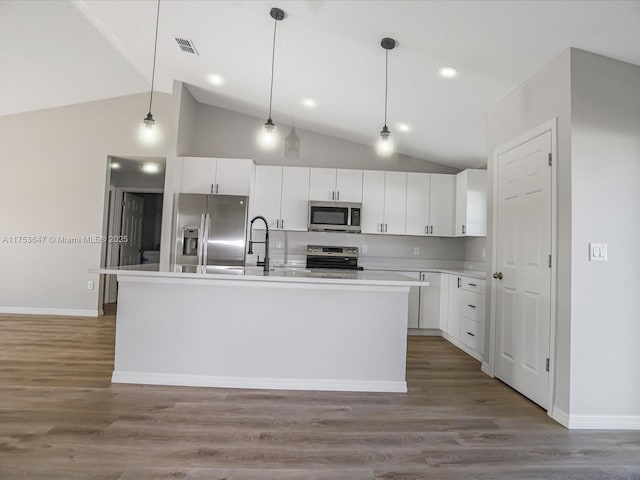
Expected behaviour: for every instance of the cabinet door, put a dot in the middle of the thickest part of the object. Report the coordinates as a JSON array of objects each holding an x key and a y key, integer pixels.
[
  {"x": 476, "y": 223},
  {"x": 442, "y": 204},
  {"x": 198, "y": 175},
  {"x": 372, "y": 201},
  {"x": 322, "y": 184},
  {"x": 444, "y": 301},
  {"x": 430, "y": 300},
  {"x": 417, "y": 204},
  {"x": 453, "y": 320},
  {"x": 395, "y": 202},
  {"x": 461, "y": 204},
  {"x": 295, "y": 198},
  {"x": 349, "y": 185},
  {"x": 233, "y": 176},
  {"x": 267, "y": 195}
]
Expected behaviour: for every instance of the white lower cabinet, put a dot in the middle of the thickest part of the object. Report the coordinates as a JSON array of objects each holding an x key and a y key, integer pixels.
[
  {"x": 430, "y": 301},
  {"x": 464, "y": 325}
]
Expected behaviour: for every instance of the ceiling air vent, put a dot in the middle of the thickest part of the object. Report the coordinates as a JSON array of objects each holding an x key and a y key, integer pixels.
[{"x": 186, "y": 45}]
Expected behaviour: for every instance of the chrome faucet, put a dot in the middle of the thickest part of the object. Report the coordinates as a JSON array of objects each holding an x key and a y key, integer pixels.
[{"x": 265, "y": 262}]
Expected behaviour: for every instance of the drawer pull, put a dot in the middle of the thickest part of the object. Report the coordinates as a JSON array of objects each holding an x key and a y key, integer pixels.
[
  {"x": 472, "y": 306},
  {"x": 472, "y": 334},
  {"x": 473, "y": 285}
]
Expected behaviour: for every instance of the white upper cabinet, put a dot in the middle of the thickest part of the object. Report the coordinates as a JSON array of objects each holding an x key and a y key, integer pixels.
[
  {"x": 330, "y": 184},
  {"x": 372, "y": 214},
  {"x": 228, "y": 176},
  {"x": 430, "y": 204},
  {"x": 349, "y": 185},
  {"x": 442, "y": 194},
  {"x": 418, "y": 204},
  {"x": 282, "y": 196},
  {"x": 395, "y": 202},
  {"x": 268, "y": 194},
  {"x": 295, "y": 199},
  {"x": 471, "y": 203},
  {"x": 384, "y": 202}
]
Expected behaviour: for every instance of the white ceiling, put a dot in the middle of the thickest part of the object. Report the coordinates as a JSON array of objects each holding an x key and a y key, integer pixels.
[{"x": 326, "y": 50}]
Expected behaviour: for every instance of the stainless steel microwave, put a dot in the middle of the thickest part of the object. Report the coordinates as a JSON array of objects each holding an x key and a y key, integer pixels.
[{"x": 334, "y": 217}]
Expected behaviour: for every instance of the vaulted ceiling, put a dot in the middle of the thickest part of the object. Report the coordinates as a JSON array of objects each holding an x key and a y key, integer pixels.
[{"x": 56, "y": 53}]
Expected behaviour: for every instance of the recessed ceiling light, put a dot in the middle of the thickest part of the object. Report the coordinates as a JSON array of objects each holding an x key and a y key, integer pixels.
[
  {"x": 309, "y": 102},
  {"x": 403, "y": 127},
  {"x": 150, "y": 168},
  {"x": 215, "y": 79},
  {"x": 115, "y": 166},
  {"x": 448, "y": 72}
]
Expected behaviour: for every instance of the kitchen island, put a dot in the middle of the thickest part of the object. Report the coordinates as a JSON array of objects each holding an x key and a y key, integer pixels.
[{"x": 290, "y": 328}]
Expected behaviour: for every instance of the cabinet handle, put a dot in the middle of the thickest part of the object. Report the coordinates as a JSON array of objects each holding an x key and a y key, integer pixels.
[
  {"x": 333, "y": 195},
  {"x": 458, "y": 282},
  {"x": 472, "y": 334},
  {"x": 216, "y": 188},
  {"x": 338, "y": 195},
  {"x": 386, "y": 227},
  {"x": 431, "y": 230},
  {"x": 473, "y": 285},
  {"x": 212, "y": 188},
  {"x": 464, "y": 230},
  {"x": 426, "y": 230},
  {"x": 472, "y": 306},
  {"x": 282, "y": 223}
]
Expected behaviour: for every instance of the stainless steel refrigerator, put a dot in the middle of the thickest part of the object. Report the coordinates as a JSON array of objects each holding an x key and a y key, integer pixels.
[{"x": 210, "y": 229}]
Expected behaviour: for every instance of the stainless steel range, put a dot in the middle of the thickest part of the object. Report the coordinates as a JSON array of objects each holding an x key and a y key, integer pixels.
[{"x": 322, "y": 256}]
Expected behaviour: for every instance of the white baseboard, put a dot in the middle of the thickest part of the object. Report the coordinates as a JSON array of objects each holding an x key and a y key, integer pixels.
[
  {"x": 462, "y": 347},
  {"x": 596, "y": 422},
  {"x": 65, "y": 312},
  {"x": 425, "y": 332},
  {"x": 148, "y": 378},
  {"x": 487, "y": 370}
]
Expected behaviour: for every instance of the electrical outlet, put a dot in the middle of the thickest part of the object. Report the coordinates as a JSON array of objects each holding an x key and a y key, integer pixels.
[
  {"x": 416, "y": 251},
  {"x": 90, "y": 285},
  {"x": 363, "y": 249}
]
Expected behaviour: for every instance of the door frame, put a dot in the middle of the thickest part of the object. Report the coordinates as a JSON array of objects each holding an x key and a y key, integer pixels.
[
  {"x": 549, "y": 126},
  {"x": 114, "y": 228}
]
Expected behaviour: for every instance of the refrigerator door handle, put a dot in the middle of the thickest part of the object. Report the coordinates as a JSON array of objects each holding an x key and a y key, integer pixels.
[
  {"x": 201, "y": 239},
  {"x": 205, "y": 247}
]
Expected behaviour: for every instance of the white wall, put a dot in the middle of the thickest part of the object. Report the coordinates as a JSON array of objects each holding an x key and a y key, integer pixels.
[
  {"x": 54, "y": 174},
  {"x": 545, "y": 96},
  {"x": 605, "y": 358}
]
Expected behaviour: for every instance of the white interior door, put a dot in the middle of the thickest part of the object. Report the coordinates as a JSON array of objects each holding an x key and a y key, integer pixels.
[
  {"x": 523, "y": 248},
  {"x": 132, "y": 213}
]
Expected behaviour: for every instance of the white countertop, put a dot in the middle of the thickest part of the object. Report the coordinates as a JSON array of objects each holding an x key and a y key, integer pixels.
[
  {"x": 479, "y": 274},
  {"x": 277, "y": 274}
]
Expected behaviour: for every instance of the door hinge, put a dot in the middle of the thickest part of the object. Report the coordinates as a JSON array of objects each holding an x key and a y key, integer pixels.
[
  {"x": 547, "y": 365},
  {"x": 549, "y": 261},
  {"x": 549, "y": 159}
]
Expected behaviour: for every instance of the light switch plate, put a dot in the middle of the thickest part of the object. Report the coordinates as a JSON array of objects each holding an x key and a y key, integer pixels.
[
  {"x": 416, "y": 251},
  {"x": 597, "y": 252}
]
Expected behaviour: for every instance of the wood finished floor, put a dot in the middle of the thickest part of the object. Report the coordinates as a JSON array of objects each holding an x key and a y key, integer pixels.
[{"x": 60, "y": 418}]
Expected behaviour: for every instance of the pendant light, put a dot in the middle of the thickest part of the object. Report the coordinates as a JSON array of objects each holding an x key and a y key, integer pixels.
[
  {"x": 149, "y": 122},
  {"x": 385, "y": 144},
  {"x": 268, "y": 139}
]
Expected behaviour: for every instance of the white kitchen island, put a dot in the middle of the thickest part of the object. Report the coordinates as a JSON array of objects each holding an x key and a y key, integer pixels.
[{"x": 292, "y": 329}]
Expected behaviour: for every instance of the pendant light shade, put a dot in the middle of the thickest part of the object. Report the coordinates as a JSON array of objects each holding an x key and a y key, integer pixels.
[
  {"x": 149, "y": 132},
  {"x": 269, "y": 135},
  {"x": 385, "y": 143}
]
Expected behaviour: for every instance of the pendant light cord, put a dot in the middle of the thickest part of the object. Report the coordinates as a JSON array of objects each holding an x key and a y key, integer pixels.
[
  {"x": 155, "y": 48},
  {"x": 273, "y": 57},
  {"x": 386, "y": 84}
]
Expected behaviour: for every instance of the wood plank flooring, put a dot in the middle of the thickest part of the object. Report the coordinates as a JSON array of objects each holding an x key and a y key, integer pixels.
[{"x": 60, "y": 418}]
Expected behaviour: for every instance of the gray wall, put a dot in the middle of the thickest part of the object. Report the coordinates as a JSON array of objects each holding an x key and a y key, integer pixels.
[
  {"x": 53, "y": 182},
  {"x": 605, "y": 172},
  {"x": 223, "y": 133},
  {"x": 545, "y": 96}
]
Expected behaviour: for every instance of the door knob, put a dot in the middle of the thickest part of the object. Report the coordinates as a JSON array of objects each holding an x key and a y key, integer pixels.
[{"x": 498, "y": 275}]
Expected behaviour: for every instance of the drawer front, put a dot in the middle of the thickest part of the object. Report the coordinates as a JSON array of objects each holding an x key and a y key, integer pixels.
[
  {"x": 472, "y": 334},
  {"x": 472, "y": 284},
  {"x": 472, "y": 305}
]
